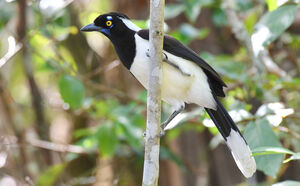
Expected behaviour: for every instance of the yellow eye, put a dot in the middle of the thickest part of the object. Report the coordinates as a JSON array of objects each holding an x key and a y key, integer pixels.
[{"x": 108, "y": 23}]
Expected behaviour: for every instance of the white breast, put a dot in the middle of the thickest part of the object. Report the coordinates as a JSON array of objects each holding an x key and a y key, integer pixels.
[{"x": 177, "y": 87}]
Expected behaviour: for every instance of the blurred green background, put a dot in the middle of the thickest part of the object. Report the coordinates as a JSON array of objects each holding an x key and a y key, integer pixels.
[{"x": 71, "y": 114}]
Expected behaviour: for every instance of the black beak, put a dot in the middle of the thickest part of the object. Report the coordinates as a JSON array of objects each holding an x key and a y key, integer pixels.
[{"x": 91, "y": 27}]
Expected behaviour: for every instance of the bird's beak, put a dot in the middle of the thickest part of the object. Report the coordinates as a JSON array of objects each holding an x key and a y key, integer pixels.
[{"x": 91, "y": 27}]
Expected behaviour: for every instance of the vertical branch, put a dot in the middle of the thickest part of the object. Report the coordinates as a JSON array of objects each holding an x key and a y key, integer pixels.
[
  {"x": 152, "y": 139},
  {"x": 36, "y": 97}
]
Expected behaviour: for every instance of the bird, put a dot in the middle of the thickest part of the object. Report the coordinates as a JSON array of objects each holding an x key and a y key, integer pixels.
[{"x": 186, "y": 78}]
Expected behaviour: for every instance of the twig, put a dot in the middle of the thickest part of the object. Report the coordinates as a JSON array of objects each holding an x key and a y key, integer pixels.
[
  {"x": 58, "y": 147},
  {"x": 106, "y": 68},
  {"x": 287, "y": 130},
  {"x": 152, "y": 139},
  {"x": 13, "y": 49}
]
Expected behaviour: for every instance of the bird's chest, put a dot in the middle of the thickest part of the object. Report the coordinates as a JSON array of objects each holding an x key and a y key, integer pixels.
[
  {"x": 174, "y": 85},
  {"x": 141, "y": 62},
  {"x": 140, "y": 67}
]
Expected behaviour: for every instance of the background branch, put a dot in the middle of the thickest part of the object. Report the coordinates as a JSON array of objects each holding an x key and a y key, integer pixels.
[{"x": 263, "y": 59}]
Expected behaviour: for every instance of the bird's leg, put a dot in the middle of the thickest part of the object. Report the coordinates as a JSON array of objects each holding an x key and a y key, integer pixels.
[{"x": 171, "y": 117}]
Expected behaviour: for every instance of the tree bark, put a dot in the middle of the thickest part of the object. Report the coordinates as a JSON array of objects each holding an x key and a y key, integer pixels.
[{"x": 151, "y": 161}]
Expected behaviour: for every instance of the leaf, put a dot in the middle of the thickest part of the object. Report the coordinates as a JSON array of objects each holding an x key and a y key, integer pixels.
[
  {"x": 260, "y": 134},
  {"x": 250, "y": 22},
  {"x": 49, "y": 177},
  {"x": 71, "y": 90},
  {"x": 188, "y": 33},
  {"x": 244, "y": 5},
  {"x": 226, "y": 65},
  {"x": 272, "y": 4},
  {"x": 173, "y": 10},
  {"x": 107, "y": 139},
  {"x": 270, "y": 150},
  {"x": 287, "y": 183},
  {"x": 141, "y": 23},
  {"x": 219, "y": 17},
  {"x": 271, "y": 25},
  {"x": 193, "y": 8},
  {"x": 295, "y": 156}
]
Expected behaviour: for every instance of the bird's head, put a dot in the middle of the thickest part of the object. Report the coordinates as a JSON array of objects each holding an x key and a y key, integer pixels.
[{"x": 112, "y": 25}]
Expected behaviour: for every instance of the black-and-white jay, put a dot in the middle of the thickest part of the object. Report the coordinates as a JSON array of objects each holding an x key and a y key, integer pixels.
[{"x": 186, "y": 78}]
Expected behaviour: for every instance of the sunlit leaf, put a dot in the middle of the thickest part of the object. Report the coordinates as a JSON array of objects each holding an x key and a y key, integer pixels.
[
  {"x": 270, "y": 150},
  {"x": 260, "y": 134},
  {"x": 271, "y": 25},
  {"x": 49, "y": 177},
  {"x": 141, "y": 23},
  {"x": 71, "y": 90},
  {"x": 250, "y": 22},
  {"x": 274, "y": 112},
  {"x": 295, "y": 156},
  {"x": 272, "y": 4},
  {"x": 50, "y": 7}
]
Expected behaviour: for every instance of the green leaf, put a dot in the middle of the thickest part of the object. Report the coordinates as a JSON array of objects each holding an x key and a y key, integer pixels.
[
  {"x": 219, "y": 17},
  {"x": 6, "y": 12},
  {"x": 272, "y": 4},
  {"x": 225, "y": 64},
  {"x": 287, "y": 183},
  {"x": 71, "y": 90},
  {"x": 250, "y": 22},
  {"x": 192, "y": 13},
  {"x": 295, "y": 156},
  {"x": 141, "y": 23},
  {"x": 49, "y": 177},
  {"x": 173, "y": 10},
  {"x": 193, "y": 8},
  {"x": 274, "y": 23},
  {"x": 244, "y": 5},
  {"x": 270, "y": 150},
  {"x": 107, "y": 139},
  {"x": 260, "y": 134},
  {"x": 188, "y": 33}
]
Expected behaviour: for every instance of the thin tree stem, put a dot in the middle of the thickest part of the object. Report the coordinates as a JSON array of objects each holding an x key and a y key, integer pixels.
[{"x": 152, "y": 139}]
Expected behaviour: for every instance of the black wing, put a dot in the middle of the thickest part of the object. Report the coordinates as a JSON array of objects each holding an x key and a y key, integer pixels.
[{"x": 176, "y": 48}]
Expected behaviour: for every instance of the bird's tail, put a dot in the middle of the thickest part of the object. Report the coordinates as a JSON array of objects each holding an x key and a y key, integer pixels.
[{"x": 234, "y": 139}]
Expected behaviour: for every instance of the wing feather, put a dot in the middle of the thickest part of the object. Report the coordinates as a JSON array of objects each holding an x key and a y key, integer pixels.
[{"x": 175, "y": 47}]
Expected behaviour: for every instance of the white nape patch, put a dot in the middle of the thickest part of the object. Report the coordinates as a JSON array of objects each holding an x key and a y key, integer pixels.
[
  {"x": 130, "y": 24},
  {"x": 241, "y": 153}
]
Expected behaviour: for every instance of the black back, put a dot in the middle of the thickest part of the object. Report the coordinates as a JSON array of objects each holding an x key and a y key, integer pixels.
[{"x": 176, "y": 48}]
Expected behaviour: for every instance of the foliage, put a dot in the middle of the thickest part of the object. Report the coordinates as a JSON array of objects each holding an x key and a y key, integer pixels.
[{"x": 103, "y": 115}]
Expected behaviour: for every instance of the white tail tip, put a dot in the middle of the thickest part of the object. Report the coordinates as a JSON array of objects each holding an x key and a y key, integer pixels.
[{"x": 241, "y": 153}]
